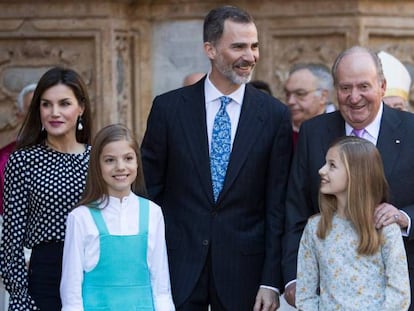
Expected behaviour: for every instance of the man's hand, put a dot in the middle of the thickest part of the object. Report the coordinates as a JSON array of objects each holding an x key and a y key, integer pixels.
[
  {"x": 290, "y": 292},
  {"x": 266, "y": 300},
  {"x": 386, "y": 214}
]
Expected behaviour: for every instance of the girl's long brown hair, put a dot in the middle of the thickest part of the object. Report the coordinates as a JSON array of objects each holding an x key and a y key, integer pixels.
[
  {"x": 96, "y": 190},
  {"x": 367, "y": 188}
]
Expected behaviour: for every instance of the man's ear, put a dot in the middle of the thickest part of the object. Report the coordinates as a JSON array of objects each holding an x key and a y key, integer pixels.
[
  {"x": 383, "y": 87},
  {"x": 324, "y": 96},
  {"x": 210, "y": 50}
]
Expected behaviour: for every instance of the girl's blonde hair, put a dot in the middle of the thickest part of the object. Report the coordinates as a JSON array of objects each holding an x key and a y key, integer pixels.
[{"x": 367, "y": 188}]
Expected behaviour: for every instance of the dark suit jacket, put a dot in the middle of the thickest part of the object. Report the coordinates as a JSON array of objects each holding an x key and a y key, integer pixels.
[
  {"x": 243, "y": 230},
  {"x": 396, "y": 145}
]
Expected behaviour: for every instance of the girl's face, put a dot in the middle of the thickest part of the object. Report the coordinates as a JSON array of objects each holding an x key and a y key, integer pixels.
[
  {"x": 334, "y": 178},
  {"x": 118, "y": 163},
  {"x": 59, "y": 111}
]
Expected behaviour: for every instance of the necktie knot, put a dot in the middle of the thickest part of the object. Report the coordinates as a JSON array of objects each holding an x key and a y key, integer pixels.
[
  {"x": 224, "y": 101},
  {"x": 358, "y": 133}
]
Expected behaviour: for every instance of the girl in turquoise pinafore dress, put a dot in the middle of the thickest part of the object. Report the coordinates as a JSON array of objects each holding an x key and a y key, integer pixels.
[{"x": 115, "y": 254}]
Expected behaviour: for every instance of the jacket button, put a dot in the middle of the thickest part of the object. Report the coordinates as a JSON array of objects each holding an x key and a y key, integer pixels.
[{"x": 205, "y": 242}]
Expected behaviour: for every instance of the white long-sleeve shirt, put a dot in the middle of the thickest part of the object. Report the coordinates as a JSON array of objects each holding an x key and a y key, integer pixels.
[{"x": 81, "y": 250}]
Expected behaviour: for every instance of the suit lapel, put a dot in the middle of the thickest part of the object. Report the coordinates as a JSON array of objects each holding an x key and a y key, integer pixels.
[
  {"x": 250, "y": 126},
  {"x": 390, "y": 138},
  {"x": 193, "y": 122},
  {"x": 335, "y": 129}
]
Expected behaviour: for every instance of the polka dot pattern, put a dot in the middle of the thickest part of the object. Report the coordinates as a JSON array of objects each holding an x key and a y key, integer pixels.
[{"x": 41, "y": 186}]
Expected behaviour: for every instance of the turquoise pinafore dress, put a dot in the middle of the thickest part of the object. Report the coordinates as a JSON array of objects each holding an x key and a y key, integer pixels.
[{"x": 121, "y": 279}]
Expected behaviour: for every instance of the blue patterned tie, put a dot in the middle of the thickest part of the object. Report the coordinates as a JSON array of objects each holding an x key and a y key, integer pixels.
[{"x": 220, "y": 146}]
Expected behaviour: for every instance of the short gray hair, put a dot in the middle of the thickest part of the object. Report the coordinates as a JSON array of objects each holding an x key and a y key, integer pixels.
[
  {"x": 359, "y": 49},
  {"x": 320, "y": 71},
  {"x": 27, "y": 89}
]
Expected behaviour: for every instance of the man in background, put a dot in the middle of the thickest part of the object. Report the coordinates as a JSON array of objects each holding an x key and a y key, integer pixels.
[
  {"x": 193, "y": 78},
  {"x": 261, "y": 85},
  {"x": 308, "y": 92}
]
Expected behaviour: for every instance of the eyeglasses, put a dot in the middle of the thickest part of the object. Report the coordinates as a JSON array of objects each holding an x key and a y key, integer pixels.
[{"x": 300, "y": 94}]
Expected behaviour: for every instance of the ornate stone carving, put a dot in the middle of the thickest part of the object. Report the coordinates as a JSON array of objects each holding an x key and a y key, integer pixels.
[
  {"x": 123, "y": 76},
  {"x": 117, "y": 48},
  {"x": 295, "y": 48},
  {"x": 23, "y": 61}
]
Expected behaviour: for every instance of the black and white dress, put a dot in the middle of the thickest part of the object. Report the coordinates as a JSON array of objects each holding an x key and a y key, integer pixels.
[{"x": 41, "y": 186}]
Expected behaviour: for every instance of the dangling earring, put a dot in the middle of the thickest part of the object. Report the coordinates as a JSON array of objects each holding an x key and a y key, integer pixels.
[
  {"x": 80, "y": 125},
  {"x": 43, "y": 128}
]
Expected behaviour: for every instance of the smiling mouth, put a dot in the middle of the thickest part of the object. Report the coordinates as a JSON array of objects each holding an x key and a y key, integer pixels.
[
  {"x": 55, "y": 123},
  {"x": 356, "y": 107},
  {"x": 120, "y": 177},
  {"x": 245, "y": 65}
]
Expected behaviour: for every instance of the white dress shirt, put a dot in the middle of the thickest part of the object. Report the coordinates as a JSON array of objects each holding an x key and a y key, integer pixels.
[
  {"x": 213, "y": 103},
  {"x": 371, "y": 132},
  {"x": 81, "y": 249}
]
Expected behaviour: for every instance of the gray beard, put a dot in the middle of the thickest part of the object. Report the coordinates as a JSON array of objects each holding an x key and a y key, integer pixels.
[
  {"x": 236, "y": 79},
  {"x": 229, "y": 73}
]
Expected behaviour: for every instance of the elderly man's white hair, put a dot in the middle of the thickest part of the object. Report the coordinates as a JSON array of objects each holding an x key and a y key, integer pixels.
[{"x": 20, "y": 98}]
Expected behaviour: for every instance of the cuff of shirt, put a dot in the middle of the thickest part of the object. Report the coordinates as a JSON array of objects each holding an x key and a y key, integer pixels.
[
  {"x": 406, "y": 232},
  {"x": 293, "y": 281},
  {"x": 272, "y": 288},
  {"x": 164, "y": 302}
]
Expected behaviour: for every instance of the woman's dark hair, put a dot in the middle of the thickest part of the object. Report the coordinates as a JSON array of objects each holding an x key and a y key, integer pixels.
[{"x": 31, "y": 132}]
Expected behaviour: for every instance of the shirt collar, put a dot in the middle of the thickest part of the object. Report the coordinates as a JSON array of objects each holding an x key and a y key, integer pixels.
[
  {"x": 372, "y": 128},
  {"x": 212, "y": 93},
  {"x": 117, "y": 201}
]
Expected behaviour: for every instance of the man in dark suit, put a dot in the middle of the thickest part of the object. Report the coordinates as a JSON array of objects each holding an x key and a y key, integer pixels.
[
  {"x": 360, "y": 86},
  {"x": 226, "y": 251}
]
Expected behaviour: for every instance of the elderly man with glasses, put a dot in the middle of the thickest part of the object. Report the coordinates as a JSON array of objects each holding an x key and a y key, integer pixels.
[{"x": 308, "y": 91}]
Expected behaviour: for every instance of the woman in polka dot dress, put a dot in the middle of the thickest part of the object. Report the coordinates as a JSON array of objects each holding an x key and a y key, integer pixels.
[{"x": 44, "y": 179}]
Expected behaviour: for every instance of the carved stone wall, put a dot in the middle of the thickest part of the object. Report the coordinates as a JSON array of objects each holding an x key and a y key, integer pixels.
[
  {"x": 99, "y": 39},
  {"x": 129, "y": 51}
]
